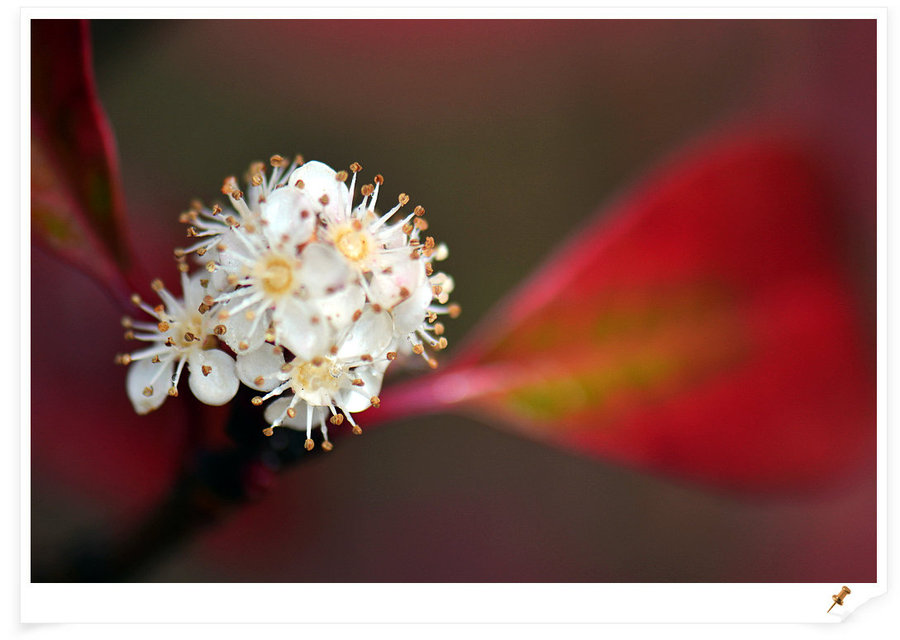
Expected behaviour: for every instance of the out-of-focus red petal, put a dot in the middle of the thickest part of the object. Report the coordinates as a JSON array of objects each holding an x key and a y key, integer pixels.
[
  {"x": 702, "y": 328},
  {"x": 77, "y": 205}
]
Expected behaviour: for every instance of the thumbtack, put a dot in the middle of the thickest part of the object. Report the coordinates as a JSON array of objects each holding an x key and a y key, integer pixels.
[{"x": 839, "y": 598}]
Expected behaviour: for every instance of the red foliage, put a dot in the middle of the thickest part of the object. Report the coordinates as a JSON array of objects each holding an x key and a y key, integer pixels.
[
  {"x": 702, "y": 327},
  {"x": 77, "y": 207}
]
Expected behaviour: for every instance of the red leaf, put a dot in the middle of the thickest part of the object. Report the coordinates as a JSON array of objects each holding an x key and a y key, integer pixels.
[
  {"x": 701, "y": 328},
  {"x": 77, "y": 206}
]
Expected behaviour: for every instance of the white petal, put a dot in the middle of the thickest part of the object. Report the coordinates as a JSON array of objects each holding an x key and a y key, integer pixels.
[
  {"x": 265, "y": 363},
  {"x": 404, "y": 349},
  {"x": 289, "y": 216},
  {"x": 277, "y": 408},
  {"x": 218, "y": 282},
  {"x": 219, "y": 385},
  {"x": 354, "y": 398},
  {"x": 299, "y": 329},
  {"x": 338, "y": 308},
  {"x": 323, "y": 270},
  {"x": 319, "y": 180},
  {"x": 139, "y": 377},
  {"x": 194, "y": 292},
  {"x": 238, "y": 326},
  {"x": 233, "y": 247},
  {"x": 393, "y": 237},
  {"x": 410, "y": 314},
  {"x": 317, "y": 397},
  {"x": 405, "y": 277},
  {"x": 370, "y": 335}
]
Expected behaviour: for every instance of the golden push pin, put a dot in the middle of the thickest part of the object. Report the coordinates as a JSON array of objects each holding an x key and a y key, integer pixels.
[{"x": 839, "y": 598}]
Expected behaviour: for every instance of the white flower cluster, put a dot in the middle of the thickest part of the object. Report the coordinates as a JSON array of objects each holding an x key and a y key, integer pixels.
[{"x": 300, "y": 296}]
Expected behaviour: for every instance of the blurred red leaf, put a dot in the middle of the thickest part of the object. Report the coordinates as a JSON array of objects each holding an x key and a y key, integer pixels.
[
  {"x": 702, "y": 328},
  {"x": 77, "y": 205}
]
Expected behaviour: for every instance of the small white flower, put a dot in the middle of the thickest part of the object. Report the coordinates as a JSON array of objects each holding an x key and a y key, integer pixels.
[
  {"x": 214, "y": 227},
  {"x": 323, "y": 186},
  {"x": 347, "y": 380},
  {"x": 392, "y": 264},
  {"x": 386, "y": 263},
  {"x": 183, "y": 334},
  {"x": 415, "y": 319}
]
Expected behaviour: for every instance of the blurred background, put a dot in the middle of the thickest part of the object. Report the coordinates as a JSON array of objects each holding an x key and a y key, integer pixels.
[{"x": 513, "y": 134}]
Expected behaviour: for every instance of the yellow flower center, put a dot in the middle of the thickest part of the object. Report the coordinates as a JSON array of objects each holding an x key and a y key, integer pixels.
[
  {"x": 321, "y": 374},
  {"x": 276, "y": 274},
  {"x": 353, "y": 243},
  {"x": 188, "y": 333}
]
